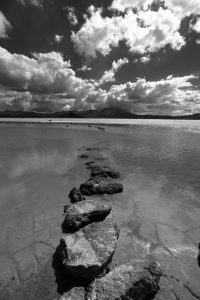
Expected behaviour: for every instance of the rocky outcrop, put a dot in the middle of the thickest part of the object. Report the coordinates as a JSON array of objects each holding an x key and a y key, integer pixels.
[
  {"x": 136, "y": 280},
  {"x": 75, "y": 195},
  {"x": 87, "y": 252},
  {"x": 104, "y": 172},
  {"x": 85, "y": 212},
  {"x": 100, "y": 186}
]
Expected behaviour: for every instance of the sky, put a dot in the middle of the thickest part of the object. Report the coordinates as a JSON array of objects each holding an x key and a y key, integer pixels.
[{"x": 142, "y": 56}]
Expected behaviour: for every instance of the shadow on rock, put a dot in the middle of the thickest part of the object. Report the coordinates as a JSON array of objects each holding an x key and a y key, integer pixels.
[{"x": 64, "y": 281}]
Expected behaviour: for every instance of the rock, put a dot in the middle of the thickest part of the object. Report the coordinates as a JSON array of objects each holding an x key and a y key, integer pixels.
[
  {"x": 75, "y": 195},
  {"x": 135, "y": 280},
  {"x": 104, "y": 172},
  {"x": 100, "y": 186},
  {"x": 198, "y": 257},
  {"x": 85, "y": 212},
  {"x": 76, "y": 293},
  {"x": 83, "y": 156},
  {"x": 87, "y": 252},
  {"x": 89, "y": 165}
]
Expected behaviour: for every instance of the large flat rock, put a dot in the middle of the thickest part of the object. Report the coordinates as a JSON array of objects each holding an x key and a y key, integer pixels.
[
  {"x": 85, "y": 212},
  {"x": 180, "y": 278},
  {"x": 88, "y": 251},
  {"x": 136, "y": 280}
]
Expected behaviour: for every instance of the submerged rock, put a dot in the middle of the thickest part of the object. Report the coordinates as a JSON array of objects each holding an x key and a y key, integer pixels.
[
  {"x": 180, "y": 278},
  {"x": 104, "y": 172},
  {"x": 84, "y": 213},
  {"x": 100, "y": 186},
  {"x": 136, "y": 280},
  {"x": 87, "y": 252},
  {"x": 75, "y": 195}
]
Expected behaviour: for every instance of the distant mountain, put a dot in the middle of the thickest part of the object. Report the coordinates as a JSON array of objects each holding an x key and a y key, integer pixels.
[{"x": 110, "y": 112}]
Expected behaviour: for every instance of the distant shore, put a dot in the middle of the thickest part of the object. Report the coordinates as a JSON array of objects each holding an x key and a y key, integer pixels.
[{"x": 102, "y": 121}]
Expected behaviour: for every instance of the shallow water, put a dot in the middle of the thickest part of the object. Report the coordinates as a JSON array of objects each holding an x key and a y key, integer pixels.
[{"x": 39, "y": 164}]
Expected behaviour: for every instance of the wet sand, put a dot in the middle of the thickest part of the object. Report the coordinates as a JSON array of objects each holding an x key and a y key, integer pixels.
[{"x": 39, "y": 166}]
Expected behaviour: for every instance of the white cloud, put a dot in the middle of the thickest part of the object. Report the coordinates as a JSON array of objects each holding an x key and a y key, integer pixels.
[
  {"x": 46, "y": 82},
  {"x": 122, "y": 5},
  {"x": 196, "y": 26},
  {"x": 38, "y": 3},
  {"x": 71, "y": 15},
  {"x": 97, "y": 34},
  {"x": 170, "y": 95},
  {"x": 5, "y": 26},
  {"x": 183, "y": 8},
  {"x": 109, "y": 75},
  {"x": 180, "y": 8},
  {"x": 58, "y": 38},
  {"x": 144, "y": 59},
  {"x": 144, "y": 31},
  {"x": 84, "y": 68}
]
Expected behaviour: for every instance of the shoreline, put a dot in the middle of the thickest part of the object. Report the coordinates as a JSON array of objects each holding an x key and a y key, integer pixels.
[{"x": 104, "y": 122}]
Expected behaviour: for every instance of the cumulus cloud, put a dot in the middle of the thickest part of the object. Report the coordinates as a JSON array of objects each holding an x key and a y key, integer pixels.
[
  {"x": 46, "y": 82},
  {"x": 142, "y": 31},
  {"x": 96, "y": 34},
  {"x": 109, "y": 75},
  {"x": 38, "y": 3},
  {"x": 71, "y": 15},
  {"x": 183, "y": 8},
  {"x": 180, "y": 8},
  {"x": 173, "y": 93},
  {"x": 5, "y": 26},
  {"x": 45, "y": 72},
  {"x": 122, "y": 5}
]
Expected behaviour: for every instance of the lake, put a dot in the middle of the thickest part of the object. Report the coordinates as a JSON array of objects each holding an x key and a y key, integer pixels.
[{"x": 40, "y": 163}]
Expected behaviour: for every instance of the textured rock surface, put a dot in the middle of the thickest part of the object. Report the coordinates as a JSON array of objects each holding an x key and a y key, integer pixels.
[
  {"x": 100, "y": 186},
  {"x": 83, "y": 213},
  {"x": 75, "y": 195},
  {"x": 136, "y": 280},
  {"x": 88, "y": 251},
  {"x": 104, "y": 172},
  {"x": 77, "y": 293}
]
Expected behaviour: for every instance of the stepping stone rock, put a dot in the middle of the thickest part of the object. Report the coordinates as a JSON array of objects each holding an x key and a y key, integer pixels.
[
  {"x": 75, "y": 195},
  {"x": 87, "y": 252},
  {"x": 76, "y": 293},
  {"x": 136, "y": 280},
  {"x": 100, "y": 186},
  {"x": 85, "y": 212},
  {"x": 104, "y": 172}
]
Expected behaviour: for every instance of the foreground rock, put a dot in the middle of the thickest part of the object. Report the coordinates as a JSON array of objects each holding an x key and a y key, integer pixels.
[
  {"x": 100, "y": 186},
  {"x": 136, "y": 280},
  {"x": 104, "y": 172},
  {"x": 87, "y": 252},
  {"x": 85, "y": 212},
  {"x": 76, "y": 293},
  {"x": 75, "y": 195}
]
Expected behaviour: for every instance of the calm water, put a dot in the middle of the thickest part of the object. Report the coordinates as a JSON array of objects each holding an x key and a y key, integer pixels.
[{"x": 160, "y": 167}]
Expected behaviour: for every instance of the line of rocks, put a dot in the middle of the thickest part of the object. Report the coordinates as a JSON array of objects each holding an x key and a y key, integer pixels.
[{"x": 89, "y": 240}]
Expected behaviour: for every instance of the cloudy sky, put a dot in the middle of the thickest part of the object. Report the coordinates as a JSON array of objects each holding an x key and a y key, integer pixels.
[{"x": 139, "y": 55}]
